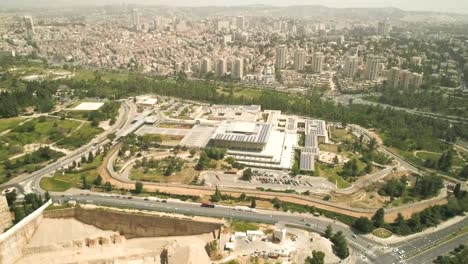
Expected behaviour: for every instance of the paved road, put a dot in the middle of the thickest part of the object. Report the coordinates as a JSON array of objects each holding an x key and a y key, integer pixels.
[
  {"x": 428, "y": 256},
  {"x": 369, "y": 251},
  {"x": 358, "y": 99},
  {"x": 421, "y": 243},
  {"x": 366, "y": 250},
  {"x": 33, "y": 178},
  {"x": 358, "y": 244}
]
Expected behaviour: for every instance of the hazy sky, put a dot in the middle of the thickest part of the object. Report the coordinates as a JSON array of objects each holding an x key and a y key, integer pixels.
[{"x": 458, "y": 6}]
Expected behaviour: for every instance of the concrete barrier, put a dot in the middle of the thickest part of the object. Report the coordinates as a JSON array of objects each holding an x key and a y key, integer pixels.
[{"x": 14, "y": 239}]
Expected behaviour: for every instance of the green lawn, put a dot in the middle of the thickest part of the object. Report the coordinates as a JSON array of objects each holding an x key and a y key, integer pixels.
[
  {"x": 185, "y": 176},
  {"x": 35, "y": 131},
  {"x": 84, "y": 74},
  {"x": 80, "y": 137},
  {"x": 241, "y": 226},
  {"x": 54, "y": 184},
  {"x": 331, "y": 173},
  {"x": 248, "y": 93},
  {"x": 341, "y": 134},
  {"x": 382, "y": 233},
  {"x": 47, "y": 131},
  {"x": 8, "y": 123},
  {"x": 328, "y": 147},
  {"x": 60, "y": 183},
  {"x": 435, "y": 156}
]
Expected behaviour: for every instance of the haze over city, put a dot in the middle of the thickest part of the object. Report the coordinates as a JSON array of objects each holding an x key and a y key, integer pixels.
[
  {"x": 233, "y": 132},
  {"x": 455, "y": 6}
]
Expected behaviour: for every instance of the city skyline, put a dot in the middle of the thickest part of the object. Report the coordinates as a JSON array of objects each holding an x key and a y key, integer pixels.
[
  {"x": 450, "y": 6},
  {"x": 134, "y": 131}
]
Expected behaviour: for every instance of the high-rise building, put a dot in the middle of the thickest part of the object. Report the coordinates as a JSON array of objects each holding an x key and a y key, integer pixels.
[
  {"x": 393, "y": 77},
  {"x": 281, "y": 56},
  {"x": 317, "y": 62},
  {"x": 205, "y": 66},
  {"x": 136, "y": 19},
  {"x": 350, "y": 67},
  {"x": 372, "y": 67},
  {"x": 238, "y": 68},
  {"x": 405, "y": 79},
  {"x": 29, "y": 25},
  {"x": 417, "y": 80},
  {"x": 157, "y": 25},
  {"x": 383, "y": 28},
  {"x": 299, "y": 59},
  {"x": 221, "y": 67},
  {"x": 222, "y": 25},
  {"x": 240, "y": 23}
]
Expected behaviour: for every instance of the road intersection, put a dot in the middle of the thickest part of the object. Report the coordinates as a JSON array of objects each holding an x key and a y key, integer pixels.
[{"x": 367, "y": 250}]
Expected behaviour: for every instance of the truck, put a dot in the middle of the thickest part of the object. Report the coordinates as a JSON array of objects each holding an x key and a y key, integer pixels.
[{"x": 208, "y": 205}]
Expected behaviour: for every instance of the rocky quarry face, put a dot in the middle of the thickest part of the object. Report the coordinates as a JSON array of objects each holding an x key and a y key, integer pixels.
[{"x": 81, "y": 235}]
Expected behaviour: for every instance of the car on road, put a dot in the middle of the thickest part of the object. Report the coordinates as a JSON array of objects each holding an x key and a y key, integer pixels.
[
  {"x": 354, "y": 235},
  {"x": 208, "y": 205}
]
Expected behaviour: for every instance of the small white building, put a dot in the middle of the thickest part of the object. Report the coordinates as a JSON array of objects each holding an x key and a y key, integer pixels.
[
  {"x": 279, "y": 234},
  {"x": 229, "y": 246},
  {"x": 253, "y": 235},
  {"x": 239, "y": 235}
]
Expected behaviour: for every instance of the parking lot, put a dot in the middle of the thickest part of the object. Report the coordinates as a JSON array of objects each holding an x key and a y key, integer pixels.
[{"x": 271, "y": 179}]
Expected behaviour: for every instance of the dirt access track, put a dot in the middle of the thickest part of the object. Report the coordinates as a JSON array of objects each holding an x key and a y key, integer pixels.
[{"x": 390, "y": 214}]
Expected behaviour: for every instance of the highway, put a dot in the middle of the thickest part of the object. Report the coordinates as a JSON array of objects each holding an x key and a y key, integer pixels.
[
  {"x": 358, "y": 99},
  {"x": 366, "y": 250},
  {"x": 360, "y": 244},
  {"x": 428, "y": 256}
]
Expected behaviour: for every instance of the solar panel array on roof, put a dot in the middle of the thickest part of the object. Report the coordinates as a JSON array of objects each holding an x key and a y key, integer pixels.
[
  {"x": 249, "y": 108},
  {"x": 306, "y": 162},
  {"x": 261, "y": 135},
  {"x": 311, "y": 140},
  {"x": 315, "y": 127},
  {"x": 291, "y": 125},
  {"x": 311, "y": 150}
]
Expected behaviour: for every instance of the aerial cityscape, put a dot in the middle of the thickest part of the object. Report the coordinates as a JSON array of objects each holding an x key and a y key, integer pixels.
[{"x": 178, "y": 132}]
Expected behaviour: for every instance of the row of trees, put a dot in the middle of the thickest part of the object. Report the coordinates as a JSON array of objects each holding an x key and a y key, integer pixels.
[
  {"x": 218, "y": 196},
  {"x": 429, "y": 217},
  {"x": 403, "y": 130},
  {"x": 458, "y": 256},
  {"x": 427, "y": 100},
  {"x": 43, "y": 154}
]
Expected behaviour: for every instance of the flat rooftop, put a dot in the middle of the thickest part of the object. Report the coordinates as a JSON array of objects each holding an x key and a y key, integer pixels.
[
  {"x": 240, "y": 131},
  {"x": 307, "y": 161},
  {"x": 88, "y": 106}
]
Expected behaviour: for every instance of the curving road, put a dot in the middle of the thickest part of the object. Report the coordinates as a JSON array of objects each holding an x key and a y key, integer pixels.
[
  {"x": 366, "y": 250},
  {"x": 28, "y": 182}
]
